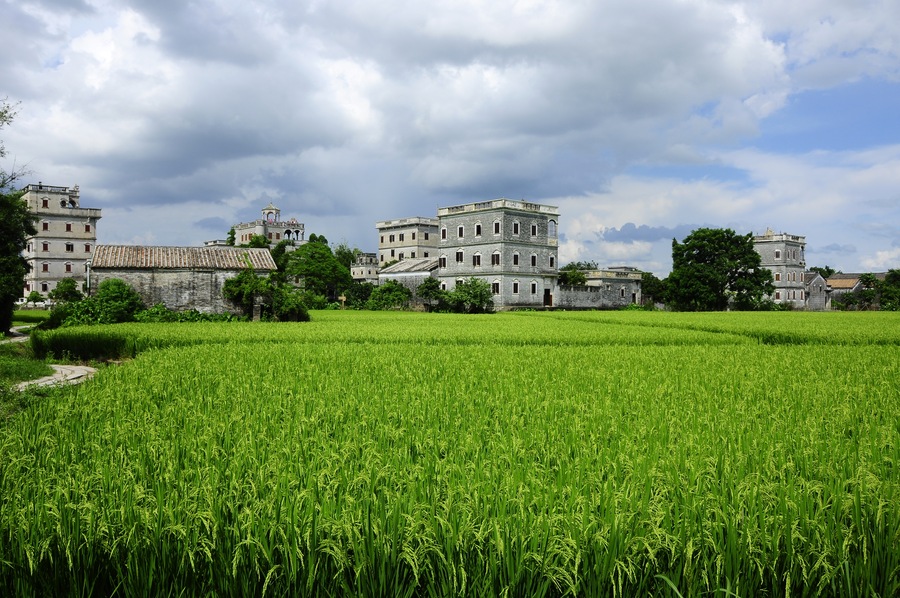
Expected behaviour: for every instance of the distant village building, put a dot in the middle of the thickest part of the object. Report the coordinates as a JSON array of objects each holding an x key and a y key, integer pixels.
[
  {"x": 406, "y": 238},
  {"x": 510, "y": 244},
  {"x": 410, "y": 272},
  {"x": 818, "y": 292},
  {"x": 181, "y": 278},
  {"x": 270, "y": 226},
  {"x": 365, "y": 268},
  {"x": 65, "y": 238},
  {"x": 784, "y": 256}
]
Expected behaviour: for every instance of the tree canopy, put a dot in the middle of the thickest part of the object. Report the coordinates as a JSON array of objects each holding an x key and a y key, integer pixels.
[
  {"x": 319, "y": 271},
  {"x": 714, "y": 269}
]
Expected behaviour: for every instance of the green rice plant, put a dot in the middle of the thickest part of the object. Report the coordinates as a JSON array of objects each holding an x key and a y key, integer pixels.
[{"x": 514, "y": 454}]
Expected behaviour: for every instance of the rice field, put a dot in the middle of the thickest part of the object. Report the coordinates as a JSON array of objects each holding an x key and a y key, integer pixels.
[{"x": 516, "y": 454}]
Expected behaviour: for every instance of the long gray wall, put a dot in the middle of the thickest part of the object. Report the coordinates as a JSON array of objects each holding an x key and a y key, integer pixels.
[{"x": 178, "y": 290}]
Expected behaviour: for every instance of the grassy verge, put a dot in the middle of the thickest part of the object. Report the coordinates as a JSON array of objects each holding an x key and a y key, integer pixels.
[{"x": 17, "y": 364}]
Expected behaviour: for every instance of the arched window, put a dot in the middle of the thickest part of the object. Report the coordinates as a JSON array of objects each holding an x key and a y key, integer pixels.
[{"x": 551, "y": 229}]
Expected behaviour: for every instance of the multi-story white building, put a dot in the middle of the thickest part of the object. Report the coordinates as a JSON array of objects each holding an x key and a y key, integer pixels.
[
  {"x": 406, "y": 238},
  {"x": 508, "y": 243},
  {"x": 65, "y": 239},
  {"x": 784, "y": 255},
  {"x": 270, "y": 226},
  {"x": 365, "y": 268}
]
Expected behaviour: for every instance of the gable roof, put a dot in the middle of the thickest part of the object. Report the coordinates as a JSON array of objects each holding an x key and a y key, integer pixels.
[
  {"x": 409, "y": 265},
  {"x": 155, "y": 257}
]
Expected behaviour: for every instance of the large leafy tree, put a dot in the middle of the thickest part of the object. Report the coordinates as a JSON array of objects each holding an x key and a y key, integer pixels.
[
  {"x": 16, "y": 225},
  {"x": 714, "y": 269},
  {"x": 572, "y": 274},
  {"x": 320, "y": 272},
  {"x": 472, "y": 296},
  {"x": 889, "y": 290}
]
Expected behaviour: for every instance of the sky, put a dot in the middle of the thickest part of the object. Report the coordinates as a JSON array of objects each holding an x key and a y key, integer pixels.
[{"x": 640, "y": 120}]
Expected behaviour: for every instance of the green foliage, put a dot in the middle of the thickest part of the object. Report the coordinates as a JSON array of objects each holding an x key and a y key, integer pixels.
[
  {"x": 231, "y": 237},
  {"x": 246, "y": 290},
  {"x": 431, "y": 293},
  {"x": 358, "y": 294},
  {"x": 471, "y": 296},
  {"x": 66, "y": 290},
  {"x": 288, "y": 304},
  {"x": 317, "y": 270},
  {"x": 34, "y": 297},
  {"x": 825, "y": 271},
  {"x": 257, "y": 241},
  {"x": 16, "y": 224},
  {"x": 389, "y": 295},
  {"x": 572, "y": 275},
  {"x": 714, "y": 269},
  {"x": 889, "y": 291},
  {"x": 17, "y": 364},
  {"x": 653, "y": 290},
  {"x": 117, "y": 301},
  {"x": 346, "y": 255},
  {"x": 160, "y": 313}
]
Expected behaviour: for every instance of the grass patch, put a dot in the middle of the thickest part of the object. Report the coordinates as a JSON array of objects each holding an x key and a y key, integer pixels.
[
  {"x": 18, "y": 364},
  {"x": 24, "y": 317}
]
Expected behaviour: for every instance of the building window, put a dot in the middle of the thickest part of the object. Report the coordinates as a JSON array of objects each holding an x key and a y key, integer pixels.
[
  {"x": 270, "y": 236},
  {"x": 426, "y": 236},
  {"x": 495, "y": 287},
  {"x": 45, "y": 226},
  {"x": 391, "y": 239},
  {"x": 45, "y": 203},
  {"x": 401, "y": 256},
  {"x": 515, "y": 259},
  {"x": 495, "y": 258},
  {"x": 45, "y": 246},
  {"x": 87, "y": 247},
  {"x": 70, "y": 247},
  {"x": 68, "y": 227},
  {"x": 401, "y": 236},
  {"x": 459, "y": 232},
  {"x": 414, "y": 236},
  {"x": 552, "y": 261},
  {"x": 44, "y": 287},
  {"x": 801, "y": 295},
  {"x": 534, "y": 288},
  {"x": 477, "y": 230},
  {"x": 443, "y": 233},
  {"x": 412, "y": 255},
  {"x": 777, "y": 254},
  {"x": 476, "y": 260},
  {"x": 459, "y": 257},
  {"x": 496, "y": 227},
  {"x": 777, "y": 295},
  {"x": 534, "y": 230},
  {"x": 87, "y": 228},
  {"x": 515, "y": 228},
  {"x": 533, "y": 261},
  {"x": 442, "y": 261},
  {"x": 778, "y": 277},
  {"x": 424, "y": 254},
  {"x": 392, "y": 253},
  {"x": 45, "y": 267},
  {"x": 382, "y": 239},
  {"x": 515, "y": 287},
  {"x": 622, "y": 292},
  {"x": 551, "y": 229},
  {"x": 68, "y": 266}
]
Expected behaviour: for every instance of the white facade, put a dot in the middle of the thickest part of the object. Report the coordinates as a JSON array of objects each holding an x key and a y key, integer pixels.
[
  {"x": 272, "y": 227},
  {"x": 65, "y": 239},
  {"x": 406, "y": 238},
  {"x": 784, "y": 255}
]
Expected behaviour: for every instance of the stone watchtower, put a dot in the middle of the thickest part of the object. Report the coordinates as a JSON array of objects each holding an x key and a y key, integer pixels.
[
  {"x": 65, "y": 239},
  {"x": 784, "y": 255},
  {"x": 271, "y": 227},
  {"x": 510, "y": 244}
]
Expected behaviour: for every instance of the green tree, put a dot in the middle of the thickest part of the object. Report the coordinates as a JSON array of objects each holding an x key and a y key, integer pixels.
[
  {"x": 572, "y": 275},
  {"x": 716, "y": 268},
  {"x": 889, "y": 291},
  {"x": 472, "y": 296},
  {"x": 287, "y": 304},
  {"x": 16, "y": 225},
  {"x": 389, "y": 295},
  {"x": 246, "y": 290},
  {"x": 33, "y": 298},
  {"x": 118, "y": 301},
  {"x": 345, "y": 255},
  {"x": 258, "y": 241},
  {"x": 315, "y": 267},
  {"x": 358, "y": 294},
  {"x": 867, "y": 296},
  {"x": 653, "y": 290},
  {"x": 431, "y": 293},
  {"x": 825, "y": 271},
  {"x": 229, "y": 240},
  {"x": 66, "y": 291}
]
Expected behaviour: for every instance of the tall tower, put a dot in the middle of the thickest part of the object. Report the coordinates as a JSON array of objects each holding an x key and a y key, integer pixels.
[
  {"x": 65, "y": 239},
  {"x": 510, "y": 244},
  {"x": 784, "y": 256}
]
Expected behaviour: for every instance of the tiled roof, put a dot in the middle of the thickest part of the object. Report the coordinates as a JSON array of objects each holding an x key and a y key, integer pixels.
[
  {"x": 425, "y": 264},
  {"x": 214, "y": 257}
]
